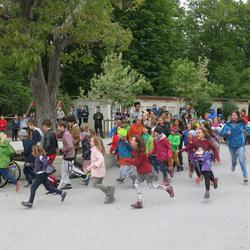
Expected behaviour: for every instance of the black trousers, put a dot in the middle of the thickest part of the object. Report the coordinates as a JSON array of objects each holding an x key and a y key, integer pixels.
[
  {"x": 14, "y": 134},
  {"x": 42, "y": 179},
  {"x": 28, "y": 170},
  {"x": 208, "y": 176},
  {"x": 99, "y": 127}
]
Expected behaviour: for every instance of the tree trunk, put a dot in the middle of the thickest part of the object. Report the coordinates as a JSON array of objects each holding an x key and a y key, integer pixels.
[
  {"x": 41, "y": 95},
  {"x": 54, "y": 78}
]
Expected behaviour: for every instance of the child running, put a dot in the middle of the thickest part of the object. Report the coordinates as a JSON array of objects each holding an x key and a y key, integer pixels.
[
  {"x": 144, "y": 171},
  {"x": 203, "y": 159},
  {"x": 98, "y": 170},
  {"x": 124, "y": 150},
  {"x": 41, "y": 164},
  {"x": 175, "y": 140},
  {"x": 163, "y": 150}
]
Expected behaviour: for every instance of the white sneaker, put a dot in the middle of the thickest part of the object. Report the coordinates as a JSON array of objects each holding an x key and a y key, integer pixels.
[{"x": 245, "y": 179}]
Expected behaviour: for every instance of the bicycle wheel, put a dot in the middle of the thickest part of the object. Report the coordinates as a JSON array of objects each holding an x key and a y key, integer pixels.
[{"x": 14, "y": 170}]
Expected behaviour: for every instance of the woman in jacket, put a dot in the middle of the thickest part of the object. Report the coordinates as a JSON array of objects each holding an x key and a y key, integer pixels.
[{"x": 233, "y": 131}]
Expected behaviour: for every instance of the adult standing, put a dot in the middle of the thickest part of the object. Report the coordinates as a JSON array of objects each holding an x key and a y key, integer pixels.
[
  {"x": 137, "y": 112},
  {"x": 98, "y": 118},
  {"x": 233, "y": 131},
  {"x": 3, "y": 124},
  {"x": 15, "y": 126},
  {"x": 79, "y": 115},
  {"x": 60, "y": 114},
  {"x": 85, "y": 114},
  {"x": 24, "y": 122}
]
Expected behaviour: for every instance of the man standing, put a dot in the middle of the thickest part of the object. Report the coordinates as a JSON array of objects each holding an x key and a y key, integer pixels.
[
  {"x": 85, "y": 114},
  {"x": 137, "y": 114},
  {"x": 98, "y": 118}
]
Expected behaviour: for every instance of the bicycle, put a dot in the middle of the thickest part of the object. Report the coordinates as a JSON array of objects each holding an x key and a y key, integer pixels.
[{"x": 15, "y": 170}]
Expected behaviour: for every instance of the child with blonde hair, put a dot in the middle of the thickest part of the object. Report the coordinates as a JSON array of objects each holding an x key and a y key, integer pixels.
[
  {"x": 98, "y": 169},
  {"x": 41, "y": 165}
]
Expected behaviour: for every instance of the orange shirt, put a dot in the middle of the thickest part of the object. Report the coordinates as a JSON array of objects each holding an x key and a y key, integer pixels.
[{"x": 135, "y": 130}]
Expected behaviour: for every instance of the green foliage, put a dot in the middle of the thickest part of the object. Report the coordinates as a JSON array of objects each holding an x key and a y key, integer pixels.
[
  {"x": 191, "y": 82},
  {"x": 118, "y": 84},
  {"x": 15, "y": 95},
  {"x": 220, "y": 30},
  {"x": 228, "y": 107},
  {"x": 157, "y": 40}
]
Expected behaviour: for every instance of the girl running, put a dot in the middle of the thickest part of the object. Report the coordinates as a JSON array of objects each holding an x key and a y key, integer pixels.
[
  {"x": 98, "y": 170},
  {"x": 144, "y": 171},
  {"x": 41, "y": 164},
  {"x": 202, "y": 148},
  {"x": 233, "y": 131},
  {"x": 163, "y": 150}
]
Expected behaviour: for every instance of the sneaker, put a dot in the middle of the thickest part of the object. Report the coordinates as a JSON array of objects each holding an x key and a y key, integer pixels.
[
  {"x": 27, "y": 204},
  {"x": 28, "y": 185},
  {"x": 137, "y": 205},
  {"x": 67, "y": 186},
  {"x": 17, "y": 186},
  {"x": 63, "y": 195},
  {"x": 215, "y": 182},
  {"x": 181, "y": 168},
  {"x": 112, "y": 191},
  {"x": 198, "y": 180},
  {"x": 245, "y": 179},
  {"x": 178, "y": 169},
  {"x": 170, "y": 191},
  {"x": 233, "y": 168},
  {"x": 206, "y": 195},
  {"x": 120, "y": 180},
  {"x": 109, "y": 200}
]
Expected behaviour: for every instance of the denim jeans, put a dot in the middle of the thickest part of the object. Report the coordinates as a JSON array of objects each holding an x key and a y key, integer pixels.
[
  {"x": 239, "y": 152},
  {"x": 6, "y": 174}
]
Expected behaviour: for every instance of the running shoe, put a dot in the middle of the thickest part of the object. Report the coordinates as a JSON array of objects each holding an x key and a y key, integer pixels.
[
  {"x": 206, "y": 195},
  {"x": 63, "y": 195},
  {"x": 27, "y": 204},
  {"x": 215, "y": 182},
  {"x": 137, "y": 205},
  {"x": 245, "y": 179}
]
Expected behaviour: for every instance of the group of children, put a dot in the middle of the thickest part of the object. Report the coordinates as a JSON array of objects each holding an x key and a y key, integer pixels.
[{"x": 141, "y": 150}]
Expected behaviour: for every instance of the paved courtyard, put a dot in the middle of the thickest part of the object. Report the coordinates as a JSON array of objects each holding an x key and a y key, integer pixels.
[{"x": 84, "y": 222}]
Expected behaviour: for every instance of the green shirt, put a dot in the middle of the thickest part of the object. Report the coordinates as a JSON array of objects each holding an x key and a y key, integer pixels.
[{"x": 175, "y": 141}]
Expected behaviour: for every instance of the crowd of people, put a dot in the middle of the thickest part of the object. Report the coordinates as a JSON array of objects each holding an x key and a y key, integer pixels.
[{"x": 145, "y": 143}]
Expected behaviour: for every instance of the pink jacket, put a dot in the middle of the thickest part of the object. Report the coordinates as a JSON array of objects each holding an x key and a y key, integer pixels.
[
  {"x": 97, "y": 165},
  {"x": 162, "y": 149}
]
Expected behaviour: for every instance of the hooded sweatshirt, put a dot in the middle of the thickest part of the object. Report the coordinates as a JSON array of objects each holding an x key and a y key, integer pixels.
[{"x": 162, "y": 148}]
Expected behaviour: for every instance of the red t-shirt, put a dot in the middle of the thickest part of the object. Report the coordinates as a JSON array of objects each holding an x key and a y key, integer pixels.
[{"x": 3, "y": 125}]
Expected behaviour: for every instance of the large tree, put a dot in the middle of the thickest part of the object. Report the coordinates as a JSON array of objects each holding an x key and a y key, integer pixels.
[
  {"x": 40, "y": 34},
  {"x": 220, "y": 30},
  {"x": 157, "y": 40}
]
